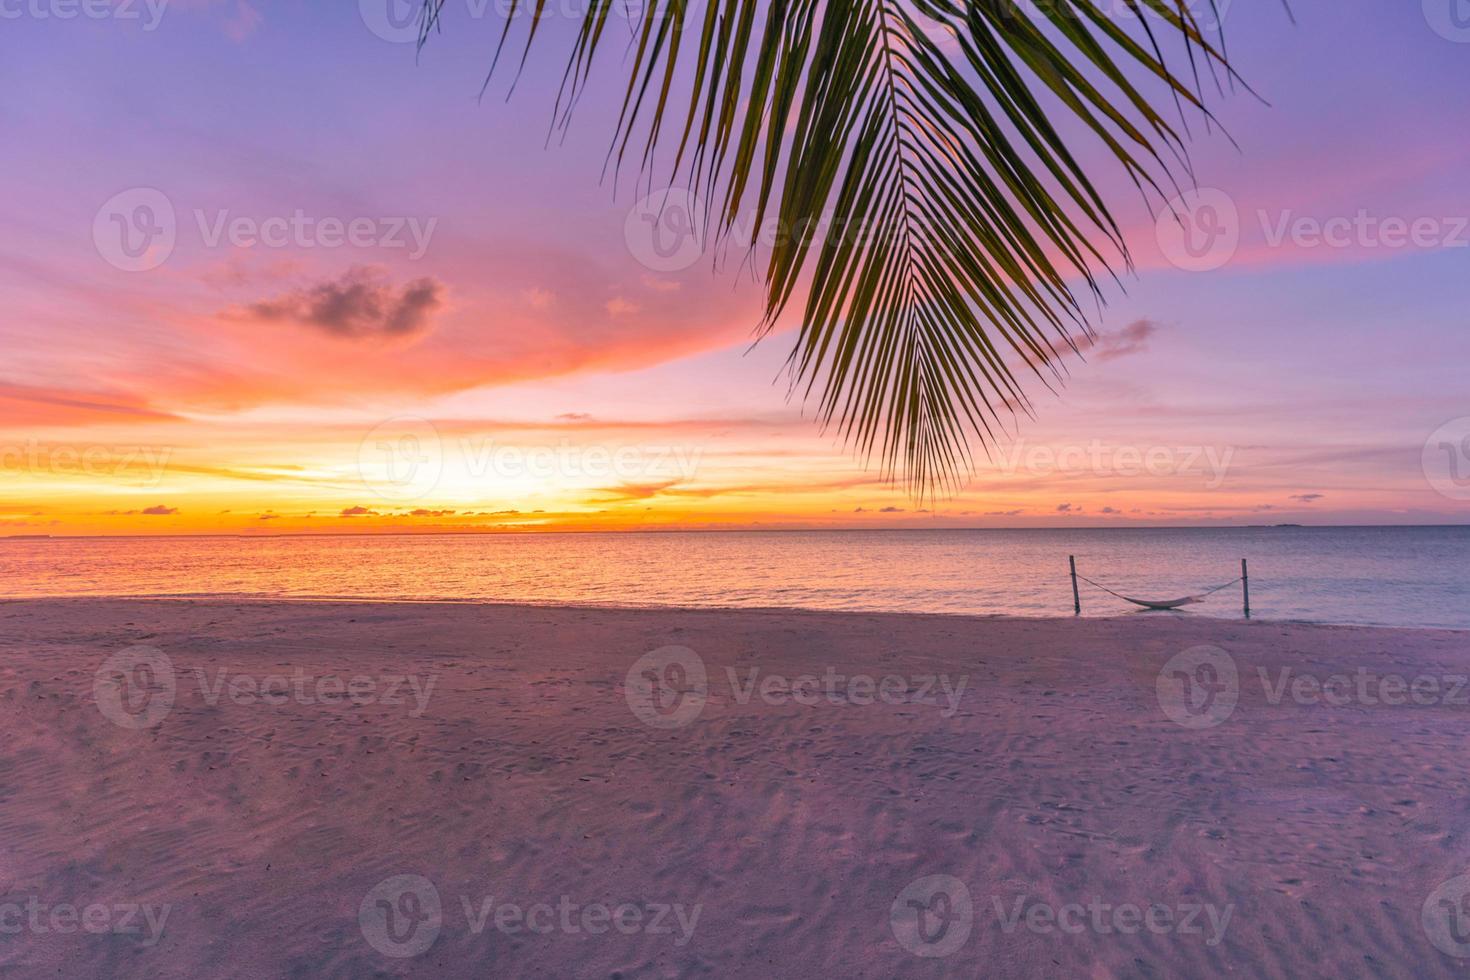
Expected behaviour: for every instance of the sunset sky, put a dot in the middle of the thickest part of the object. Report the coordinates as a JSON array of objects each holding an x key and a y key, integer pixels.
[{"x": 497, "y": 349}]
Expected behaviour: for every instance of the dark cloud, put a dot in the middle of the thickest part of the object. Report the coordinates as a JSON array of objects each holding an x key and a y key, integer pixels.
[
  {"x": 361, "y": 303},
  {"x": 358, "y": 511},
  {"x": 1307, "y": 498},
  {"x": 1132, "y": 339},
  {"x": 891, "y": 510},
  {"x": 160, "y": 511},
  {"x": 1064, "y": 508}
]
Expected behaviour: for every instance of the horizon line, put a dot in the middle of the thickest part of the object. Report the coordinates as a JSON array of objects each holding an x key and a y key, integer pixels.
[{"x": 394, "y": 533}]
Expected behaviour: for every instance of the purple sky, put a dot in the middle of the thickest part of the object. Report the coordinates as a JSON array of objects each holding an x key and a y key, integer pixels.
[{"x": 495, "y": 290}]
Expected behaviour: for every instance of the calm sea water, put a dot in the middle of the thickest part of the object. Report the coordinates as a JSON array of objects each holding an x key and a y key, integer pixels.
[{"x": 1416, "y": 576}]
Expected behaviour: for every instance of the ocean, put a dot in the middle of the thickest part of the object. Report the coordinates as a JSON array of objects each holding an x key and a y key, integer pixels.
[{"x": 1392, "y": 576}]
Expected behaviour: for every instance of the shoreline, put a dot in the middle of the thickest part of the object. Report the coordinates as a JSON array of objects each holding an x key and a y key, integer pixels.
[{"x": 1164, "y": 616}]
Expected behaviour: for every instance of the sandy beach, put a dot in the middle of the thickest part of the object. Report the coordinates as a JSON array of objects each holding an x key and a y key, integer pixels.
[{"x": 256, "y": 789}]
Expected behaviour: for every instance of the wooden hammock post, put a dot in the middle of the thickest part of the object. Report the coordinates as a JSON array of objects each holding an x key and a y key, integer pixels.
[
  {"x": 1076, "y": 599},
  {"x": 1245, "y": 587}
]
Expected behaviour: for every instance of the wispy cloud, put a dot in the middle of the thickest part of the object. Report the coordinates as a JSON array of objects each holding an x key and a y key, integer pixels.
[
  {"x": 1110, "y": 345},
  {"x": 32, "y": 406}
]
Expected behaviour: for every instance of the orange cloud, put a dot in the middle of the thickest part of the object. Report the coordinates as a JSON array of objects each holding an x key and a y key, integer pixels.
[{"x": 24, "y": 405}]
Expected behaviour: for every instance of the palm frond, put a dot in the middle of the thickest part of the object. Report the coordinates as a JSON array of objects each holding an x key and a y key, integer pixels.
[{"x": 933, "y": 142}]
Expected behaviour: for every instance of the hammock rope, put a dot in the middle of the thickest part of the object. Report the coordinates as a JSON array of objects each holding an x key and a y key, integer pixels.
[{"x": 1162, "y": 604}]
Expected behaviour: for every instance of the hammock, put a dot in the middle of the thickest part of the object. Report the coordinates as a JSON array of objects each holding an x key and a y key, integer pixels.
[{"x": 1161, "y": 603}]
